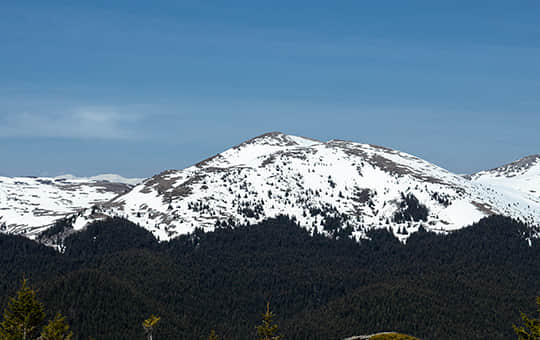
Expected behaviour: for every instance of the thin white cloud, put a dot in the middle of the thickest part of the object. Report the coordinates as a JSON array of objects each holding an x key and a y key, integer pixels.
[{"x": 82, "y": 123}]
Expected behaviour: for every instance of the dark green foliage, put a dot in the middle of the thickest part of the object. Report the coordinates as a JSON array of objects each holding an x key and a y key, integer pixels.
[
  {"x": 467, "y": 285},
  {"x": 108, "y": 236},
  {"x": 23, "y": 316},
  {"x": 56, "y": 329},
  {"x": 108, "y": 307},
  {"x": 12, "y": 247},
  {"x": 59, "y": 227},
  {"x": 267, "y": 330},
  {"x": 441, "y": 198},
  {"x": 531, "y": 328},
  {"x": 410, "y": 209}
]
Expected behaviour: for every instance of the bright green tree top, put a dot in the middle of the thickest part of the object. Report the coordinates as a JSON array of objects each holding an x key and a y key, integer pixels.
[
  {"x": 149, "y": 325},
  {"x": 23, "y": 316},
  {"x": 268, "y": 331},
  {"x": 56, "y": 329},
  {"x": 213, "y": 335},
  {"x": 531, "y": 330}
]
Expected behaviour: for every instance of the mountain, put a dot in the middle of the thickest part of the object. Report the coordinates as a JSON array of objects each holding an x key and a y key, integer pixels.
[
  {"x": 337, "y": 188},
  {"x": 519, "y": 180},
  {"x": 113, "y": 178},
  {"x": 525, "y": 167},
  {"x": 29, "y": 205}
]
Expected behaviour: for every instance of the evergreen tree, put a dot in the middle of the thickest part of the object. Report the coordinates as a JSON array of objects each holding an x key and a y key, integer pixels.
[
  {"x": 149, "y": 325},
  {"x": 213, "y": 335},
  {"x": 23, "y": 316},
  {"x": 56, "y": 329},
  {"x": 268, "y": 331},
  {"x": 531, "y": 330}
]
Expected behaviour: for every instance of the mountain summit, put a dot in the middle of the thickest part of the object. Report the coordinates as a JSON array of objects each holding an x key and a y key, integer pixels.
[
  {"x": 519, "y": 180},
  {"x": 338, "y": 188},
  {"x": 526, "y": 166},
  {"x": 335, "y": 187}
]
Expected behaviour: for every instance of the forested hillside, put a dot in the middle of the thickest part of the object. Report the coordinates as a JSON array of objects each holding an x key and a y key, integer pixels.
[{"x": 470, "y": 284}]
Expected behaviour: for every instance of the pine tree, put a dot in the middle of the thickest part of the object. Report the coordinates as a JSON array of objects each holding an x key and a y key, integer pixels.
[
  {"x": 533, "y": 325},
  {"x": 23, "y": 316},
  {"x": 268, "y": 331},
  {"x": 213, "y": 335},
  {"x": 56, "y": 329},
  {"x": 149, "y": 325}
]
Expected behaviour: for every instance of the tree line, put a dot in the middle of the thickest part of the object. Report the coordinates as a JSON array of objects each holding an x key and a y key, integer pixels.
[{"x": 470, "y": 284}]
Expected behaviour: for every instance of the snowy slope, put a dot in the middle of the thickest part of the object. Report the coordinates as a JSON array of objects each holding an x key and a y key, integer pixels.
[
  {"x": 321, "y": 184},
  {"x": 362, "y": 186},
  {"x": 113, "y": 178},
  {"x": 30, "y": 204},
  {"x": 518, "y": 181}
]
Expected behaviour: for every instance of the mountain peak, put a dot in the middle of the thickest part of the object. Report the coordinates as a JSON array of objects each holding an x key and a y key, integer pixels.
[
  {"x": 513, "y": 169},
  {"x": 277, "y": 138},
  {"x": 262, "y": 145},
  {"x": 363, "y": 186},
  {"x": 324, "y": 185},
  {"x": 531, "y": 158},
  {"x": 525, "y": 162}
]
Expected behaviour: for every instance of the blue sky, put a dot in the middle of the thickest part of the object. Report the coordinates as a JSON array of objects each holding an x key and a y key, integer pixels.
[{"x": 137, "y": 87}]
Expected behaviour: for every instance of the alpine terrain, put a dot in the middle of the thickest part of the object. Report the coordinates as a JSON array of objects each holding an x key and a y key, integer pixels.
[
  {"x": 29, "y": 205},
  {"x": 337, "y": 188}
]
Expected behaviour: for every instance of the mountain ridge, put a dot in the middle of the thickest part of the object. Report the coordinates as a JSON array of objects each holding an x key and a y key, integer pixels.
[
  {"x": 30, "y": 205},
  {"x": 322, "y": 184},
  {"x": 338, "y": 188},
  {"x": 511, "y": 169}
]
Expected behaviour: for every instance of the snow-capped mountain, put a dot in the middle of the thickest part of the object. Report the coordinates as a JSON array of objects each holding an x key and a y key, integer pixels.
[
  {"x": 113, "y": 178},
  {"x": 336, "y": 187},
  {"x": 521, "y": 176},
  {"x": 518, "y": 182},
  {"x": 321, "y": 184},
  {"x": 29, "y": 205}
]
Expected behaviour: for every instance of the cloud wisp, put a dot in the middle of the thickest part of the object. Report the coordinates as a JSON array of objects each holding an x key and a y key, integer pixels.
[{"x": 82, "y": 123}]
